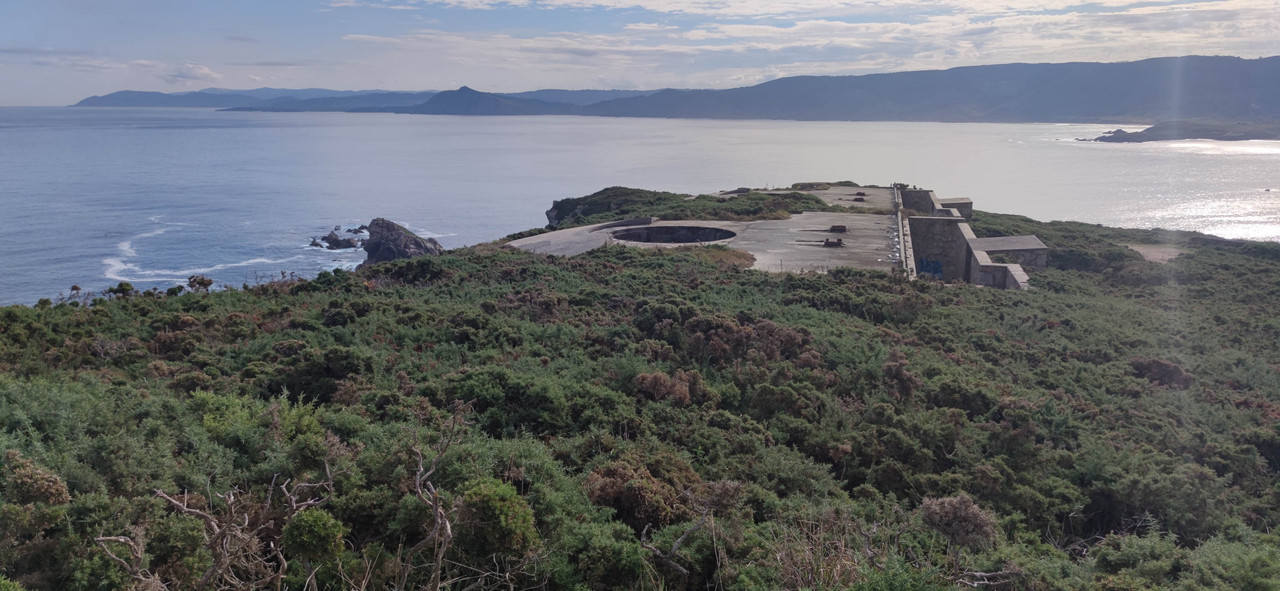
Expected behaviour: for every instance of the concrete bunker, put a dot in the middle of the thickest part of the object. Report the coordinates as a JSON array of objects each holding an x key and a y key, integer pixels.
[{"x": 672, "y": 234}]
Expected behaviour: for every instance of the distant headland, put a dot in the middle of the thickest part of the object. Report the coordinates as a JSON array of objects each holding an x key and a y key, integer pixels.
[
  {"x": 1203, "y": 130},
  {"x": 1200, "y": 88}
]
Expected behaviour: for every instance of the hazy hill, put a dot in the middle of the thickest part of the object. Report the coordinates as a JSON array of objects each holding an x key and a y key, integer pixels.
[
  {"x": 467, "y": 101},
  {"x": 354, "y": 102},
  {"x": 270, "y": 94},
  {"x": 134, "y": 98},
  {"x": 1195, "y": 87},
  {"x": 1162, "y": 88},
  {"x": 578, "y": 97}
]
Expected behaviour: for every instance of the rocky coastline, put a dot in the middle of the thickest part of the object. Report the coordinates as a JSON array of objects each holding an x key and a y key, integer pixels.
[
  {"x": 1200, "y": 130},
  {"x": 385, "y": 241}
]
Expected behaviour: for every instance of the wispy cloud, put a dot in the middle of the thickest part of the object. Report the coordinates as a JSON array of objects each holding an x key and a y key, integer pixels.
[
  {"x": 189, "y": 72},
  {"x": 523, "y": 44},
  {"x": 732, "y": 43},
  {"x": 273, "y": 64},
  {"x": 38, "y": 51},
  {"x": 171, "y": 73}
]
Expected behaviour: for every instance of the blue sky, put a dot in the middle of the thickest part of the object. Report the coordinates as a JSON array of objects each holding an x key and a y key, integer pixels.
[{"x": 55, "y": 52}]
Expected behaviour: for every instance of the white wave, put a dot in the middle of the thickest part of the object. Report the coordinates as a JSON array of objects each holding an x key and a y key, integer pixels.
[
  {"x": 158, "y": 219},
  {"x": 126, "y": 247},
  {"x": 425, "y": 233},
  {"x": 157, "y": 274},
  {"x": 118, "y": 268}
]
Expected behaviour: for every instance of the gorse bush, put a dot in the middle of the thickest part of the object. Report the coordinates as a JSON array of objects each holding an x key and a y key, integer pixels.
[{"x": 645, "y": 419}]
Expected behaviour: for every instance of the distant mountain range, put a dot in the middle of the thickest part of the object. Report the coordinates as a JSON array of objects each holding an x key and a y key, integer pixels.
[
  {"x": 319, "y": 99},
  {"x": 1213, "y": 88}
]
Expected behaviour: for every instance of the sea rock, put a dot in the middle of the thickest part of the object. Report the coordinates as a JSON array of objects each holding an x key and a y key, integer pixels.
[
  {"x": 315, "y": 242},
  {"x": 389, "y": 241},
  {"x": 336, "y": 242}
]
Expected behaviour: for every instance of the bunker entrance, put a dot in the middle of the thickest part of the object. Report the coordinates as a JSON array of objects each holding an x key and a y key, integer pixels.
[{"x": 673, "y": 234}]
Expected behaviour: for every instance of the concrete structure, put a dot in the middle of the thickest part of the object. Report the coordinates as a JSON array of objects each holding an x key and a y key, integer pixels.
[
  {"x": 925, "y": 236},
  {"x": 943, "y": 246},
  {"x": 794, "y": 244}
]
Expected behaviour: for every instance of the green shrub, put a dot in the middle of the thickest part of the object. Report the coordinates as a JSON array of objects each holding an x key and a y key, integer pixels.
[
  {"x": 313, "y": 535},
  {"x": 495, "y": 519}
]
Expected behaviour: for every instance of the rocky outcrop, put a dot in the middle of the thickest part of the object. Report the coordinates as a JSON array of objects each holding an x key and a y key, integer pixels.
[
  {"x": 1224, "y": 131},
  {"x": 555, "y": 218},
  {"x": 389, "y": 241},
  {"x": 336, "y": 242}
]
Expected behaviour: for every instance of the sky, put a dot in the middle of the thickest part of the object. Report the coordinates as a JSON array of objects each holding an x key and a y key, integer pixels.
[{"x": 56, "y": 52}]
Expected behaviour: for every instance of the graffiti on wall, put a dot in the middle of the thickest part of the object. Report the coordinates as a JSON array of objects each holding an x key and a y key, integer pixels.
[{"x": 931, "y": 267}]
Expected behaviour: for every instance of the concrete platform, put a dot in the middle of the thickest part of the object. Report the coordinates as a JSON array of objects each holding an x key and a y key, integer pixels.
[
  {"x": 872, "y": 198},
  {"x": 793, "y": 245}
]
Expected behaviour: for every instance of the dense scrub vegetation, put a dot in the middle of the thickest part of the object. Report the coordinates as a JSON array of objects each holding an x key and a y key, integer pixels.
[
  {"x": 643, "y": 419},
  {"x": 617, "y": 203}
]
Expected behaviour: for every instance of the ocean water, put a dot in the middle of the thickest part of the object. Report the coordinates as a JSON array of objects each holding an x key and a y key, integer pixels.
[{"x": 92, "y": 197}]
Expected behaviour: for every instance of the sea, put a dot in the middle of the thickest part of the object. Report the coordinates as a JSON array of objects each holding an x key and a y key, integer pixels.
[{"x": 92, "y": 197}]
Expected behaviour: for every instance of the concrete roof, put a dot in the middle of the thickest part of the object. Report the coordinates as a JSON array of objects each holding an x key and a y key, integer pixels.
[
  {"x": 794, "y": 244},
  {"x": 1007, "y": 243}
]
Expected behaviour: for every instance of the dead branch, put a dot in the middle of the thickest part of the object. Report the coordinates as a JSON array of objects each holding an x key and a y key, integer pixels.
[
  {"x": 440, "y": 536},
  {"x": 668, "y": 558},
  {"x": 979, "y": 579},
  {"x": 133, "y": 566}
]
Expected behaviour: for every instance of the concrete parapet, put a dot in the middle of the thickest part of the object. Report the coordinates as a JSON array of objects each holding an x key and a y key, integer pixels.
[
  {"x": 904, "y": 242},
  {"x": 1028, "y": 251},
  {"x": 927, "y": 202},
  {"x": 962, "y": 205},
  {"x": 999, "y": 275},
  {"x": 1017, "y": 278}
]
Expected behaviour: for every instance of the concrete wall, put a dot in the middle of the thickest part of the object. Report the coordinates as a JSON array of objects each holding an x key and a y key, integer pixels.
[
  {"x": 941, "y": 246},
  {"x": 919, "y": 200}
]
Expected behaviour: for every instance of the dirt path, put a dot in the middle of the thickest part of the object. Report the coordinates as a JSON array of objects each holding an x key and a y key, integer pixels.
[{"x": 1157, "y": 253}]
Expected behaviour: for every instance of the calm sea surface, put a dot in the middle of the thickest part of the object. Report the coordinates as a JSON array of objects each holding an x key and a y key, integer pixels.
[{"x": 97, "y": 196}]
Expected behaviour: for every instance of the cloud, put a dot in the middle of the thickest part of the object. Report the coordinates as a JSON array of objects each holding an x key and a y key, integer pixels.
[
  {"x": 242, "y": 39},
  {"x": 649, "y": 27},
  {"x": 38, "y": 51},
  {"x": 175, "y": 74},
  {"x": 273, "y": 64},
  {"x": 372, "y": 39},
  {"x": 717, "y": 43},
  {"x": 192, "y": 72}
]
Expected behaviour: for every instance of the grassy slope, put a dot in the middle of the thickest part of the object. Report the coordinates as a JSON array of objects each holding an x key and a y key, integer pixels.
[{"x": 1117, "y": 426}]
